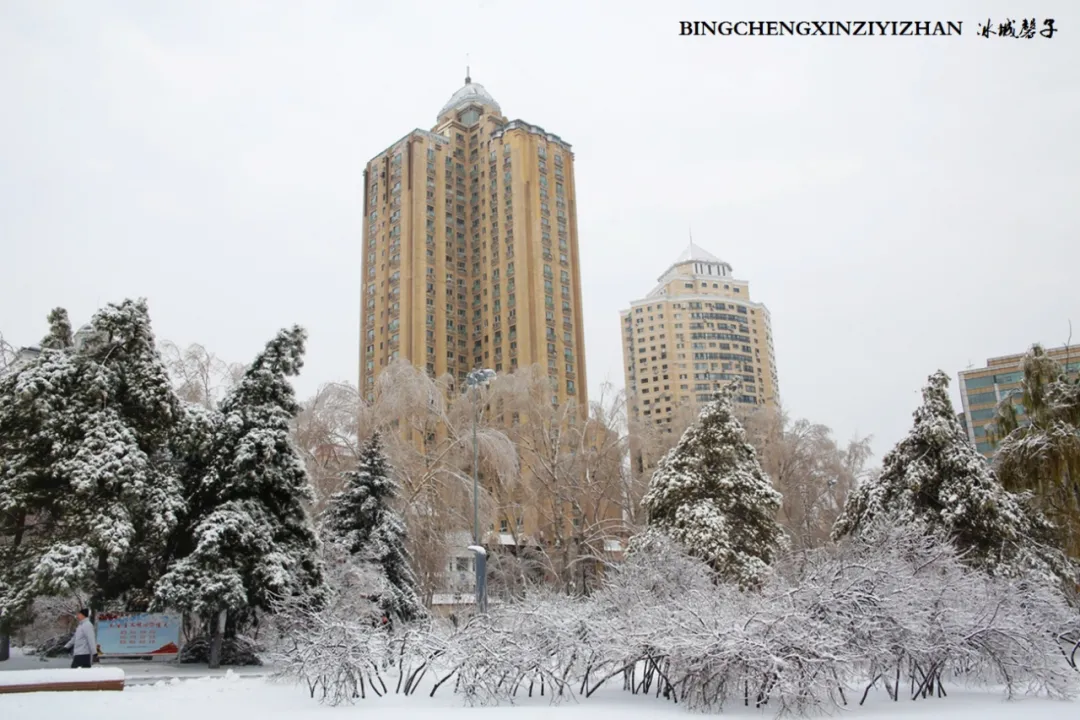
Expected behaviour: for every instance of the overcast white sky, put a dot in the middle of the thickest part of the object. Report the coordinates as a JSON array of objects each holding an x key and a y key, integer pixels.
[{"x": 900, "y": 204}]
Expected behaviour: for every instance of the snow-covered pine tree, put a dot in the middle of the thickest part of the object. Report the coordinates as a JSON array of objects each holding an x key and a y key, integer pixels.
[
  {"x": 35, "y": 423},
  {"x": 362, "y": 521},
  {"x": 59, "y": 337},
  {"x": 124, "y": 342},
  {"x": 936, "y": 478},
  {"x": 710, "y": 494},
  {"x": 253, "y": 540},
  {"x": 124, "y": 455},
  {"x": 194, "y": 446},
  {"x": 86, "y": 495}
]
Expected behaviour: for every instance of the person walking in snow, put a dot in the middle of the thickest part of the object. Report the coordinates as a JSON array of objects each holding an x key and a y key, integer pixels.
[{"x": 83, "y": 643}]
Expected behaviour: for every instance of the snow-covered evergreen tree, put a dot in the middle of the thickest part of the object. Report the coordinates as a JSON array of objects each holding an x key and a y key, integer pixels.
[
  {"x": 710, "y": 494},
  {"x": 362, "y": 521},
  {"x": 124, "y": 343},
  {"x": 59, "y": 337},
  {"x": 86, "y": 496},
  {"x": 936, "y": 478},
  {"x": 195, "y": 446},
  {"x": 252, "y": 540}
]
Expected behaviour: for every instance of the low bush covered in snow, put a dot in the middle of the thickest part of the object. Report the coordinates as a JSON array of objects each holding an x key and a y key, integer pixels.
[
  {"x": 238, "y": 650},
  {"x": 941, "y": 577},
  {"x": 54, "y": 646},
  {"x": 893, "y": 608}
]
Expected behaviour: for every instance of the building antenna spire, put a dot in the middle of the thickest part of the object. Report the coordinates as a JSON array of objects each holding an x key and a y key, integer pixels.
[
  {"x": 691, "y": 231},
  {"x": 468, "y": 79}
]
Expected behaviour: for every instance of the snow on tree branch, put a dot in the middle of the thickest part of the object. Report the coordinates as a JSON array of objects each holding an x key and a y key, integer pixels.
[{"x": 822, "y": 631}]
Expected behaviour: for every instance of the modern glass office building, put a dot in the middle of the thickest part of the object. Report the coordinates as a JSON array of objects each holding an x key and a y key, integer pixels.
[{"x": 982, "y": 389}]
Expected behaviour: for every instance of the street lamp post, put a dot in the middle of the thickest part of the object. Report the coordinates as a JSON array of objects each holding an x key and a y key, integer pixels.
[{"x": 475, "y": 380}]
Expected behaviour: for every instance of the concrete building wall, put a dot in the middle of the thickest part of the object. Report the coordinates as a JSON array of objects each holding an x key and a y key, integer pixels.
[
  {"x": 471, "y": 250},
  {"x": 694, "y": 333}
]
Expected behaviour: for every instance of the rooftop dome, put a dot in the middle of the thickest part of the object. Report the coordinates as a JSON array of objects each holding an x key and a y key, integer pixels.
[{"x": 470, "y": 93}]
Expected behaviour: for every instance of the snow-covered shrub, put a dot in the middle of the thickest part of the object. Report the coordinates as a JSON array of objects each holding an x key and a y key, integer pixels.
[
  {"x": 339, "y": 642},
  {"x": 54, "y": 645},
  {"x": 49, "y": 617},
  {"x": 341, "y": 652},
  {"x": 238, "y": 650},
  {"x": 894, "y": 603},
  {"x": 706, "y": 611},
  {"x": 893, "y": 608},
  {"x": 541, "y": 644},
  {"x": 339, "y": 659}
]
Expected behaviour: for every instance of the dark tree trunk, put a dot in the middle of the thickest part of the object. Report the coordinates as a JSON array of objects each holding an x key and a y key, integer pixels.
[
  {"x": 216, "y": 638},
  {"x": 97, "y": 600},
  {"x": 6, "y": 625}
]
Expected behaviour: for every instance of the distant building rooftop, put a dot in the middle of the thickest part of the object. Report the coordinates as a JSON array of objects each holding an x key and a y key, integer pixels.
[{"x": 470, "y": 93}]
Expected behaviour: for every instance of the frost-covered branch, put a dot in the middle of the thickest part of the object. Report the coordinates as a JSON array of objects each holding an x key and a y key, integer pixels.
[{"x": 893, "y": 609}]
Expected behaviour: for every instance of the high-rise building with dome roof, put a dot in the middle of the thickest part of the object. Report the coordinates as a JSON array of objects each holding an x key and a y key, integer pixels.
[
  {"x": 471, "y": 251},
  {"x": 695, "y": 332}
]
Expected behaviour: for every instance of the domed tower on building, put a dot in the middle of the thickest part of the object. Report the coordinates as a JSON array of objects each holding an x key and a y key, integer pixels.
[{"x": 470, "y": 255}]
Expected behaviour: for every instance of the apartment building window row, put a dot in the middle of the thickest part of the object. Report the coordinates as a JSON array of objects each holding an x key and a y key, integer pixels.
[
  {"x": 722, "y": 356},
  {"x": 721, "y": 336}
]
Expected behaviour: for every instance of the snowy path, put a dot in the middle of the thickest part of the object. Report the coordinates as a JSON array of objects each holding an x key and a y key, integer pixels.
[
  {"x": 138, "y": 672},
  {"x": 234, "y": 696}
]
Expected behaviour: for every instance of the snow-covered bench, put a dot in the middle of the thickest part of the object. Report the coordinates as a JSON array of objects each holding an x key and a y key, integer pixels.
[{"x": 60, "y": 680}]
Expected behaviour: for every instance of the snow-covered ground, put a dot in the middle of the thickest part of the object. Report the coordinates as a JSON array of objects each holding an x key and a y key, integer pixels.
[
  {"x": 53, "y": 676},
  {"x": 234, "y": 696},
  {"x": 136, "y": 671}
]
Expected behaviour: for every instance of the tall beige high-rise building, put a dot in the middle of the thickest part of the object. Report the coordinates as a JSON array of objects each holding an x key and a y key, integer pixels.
[
  {"x": 695, "y": 332},
  {"x": 471, "y": 250}
]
